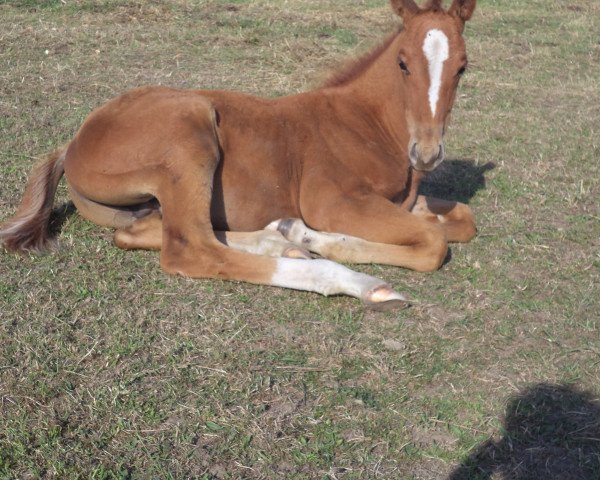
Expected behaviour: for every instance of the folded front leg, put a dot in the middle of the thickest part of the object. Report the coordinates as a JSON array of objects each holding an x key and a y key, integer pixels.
[
  {"x": 455, "y": 218},
  {"x": 374, "y": 230}
]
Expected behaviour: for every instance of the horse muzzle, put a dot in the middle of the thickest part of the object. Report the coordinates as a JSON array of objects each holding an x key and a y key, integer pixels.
[{"x": 425, "y": 156}]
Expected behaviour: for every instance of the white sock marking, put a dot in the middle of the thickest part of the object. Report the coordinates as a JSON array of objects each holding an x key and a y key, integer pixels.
[
  {"x": 322, "y": 276},
  {"x": 436, "y": 51}
]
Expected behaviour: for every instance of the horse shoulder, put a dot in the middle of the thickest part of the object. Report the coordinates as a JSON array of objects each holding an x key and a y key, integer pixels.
[{"x": 347, "y": 145}]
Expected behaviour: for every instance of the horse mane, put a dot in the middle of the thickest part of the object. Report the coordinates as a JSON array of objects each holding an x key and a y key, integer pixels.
[
  {"x": 355, "y": 68},
  {"x": 435, "y": 5}
]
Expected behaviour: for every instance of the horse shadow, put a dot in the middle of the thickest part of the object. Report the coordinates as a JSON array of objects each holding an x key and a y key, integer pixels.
[
  {"x": 59, "y": 217},
  {"x": 550, "y": 432},
  {"x": 456, "y": 180}
]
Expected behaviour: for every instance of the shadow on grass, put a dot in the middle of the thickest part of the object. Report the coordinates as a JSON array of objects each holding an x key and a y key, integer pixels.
[
  {"x": 456, "y": 180},
  {"x": 551, "y": 432},
  {"x": 59, "y": 217}
]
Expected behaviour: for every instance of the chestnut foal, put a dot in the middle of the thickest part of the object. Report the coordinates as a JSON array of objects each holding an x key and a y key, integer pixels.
[{"x": 190, "y": 173}]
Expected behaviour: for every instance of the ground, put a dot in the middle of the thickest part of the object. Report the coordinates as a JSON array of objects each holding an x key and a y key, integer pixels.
[{"x": 111, "y": 369}]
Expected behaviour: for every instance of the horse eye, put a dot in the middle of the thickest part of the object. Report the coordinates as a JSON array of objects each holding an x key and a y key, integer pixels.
[
  {"x": 462, "y": 70},
  {"x": 403, "y": 67}
]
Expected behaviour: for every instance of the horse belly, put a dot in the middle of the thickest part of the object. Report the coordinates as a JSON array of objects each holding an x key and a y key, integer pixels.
[
  {"x": 248, "y": 197},
  {"x": 247, "y": 209}
]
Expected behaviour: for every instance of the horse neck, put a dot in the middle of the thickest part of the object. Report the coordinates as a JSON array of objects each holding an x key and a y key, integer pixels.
[{"x": 379, "y": 91}]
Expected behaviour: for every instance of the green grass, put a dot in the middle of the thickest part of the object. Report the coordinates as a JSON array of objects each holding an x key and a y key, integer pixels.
[{"x": 110, "y": 369}]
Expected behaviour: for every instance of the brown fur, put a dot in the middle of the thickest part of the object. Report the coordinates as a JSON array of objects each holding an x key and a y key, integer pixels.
[{"x": 338, "y": 157}]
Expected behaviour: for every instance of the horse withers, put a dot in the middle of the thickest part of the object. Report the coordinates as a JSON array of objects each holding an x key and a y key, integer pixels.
[{"x": 335, "y": 171}]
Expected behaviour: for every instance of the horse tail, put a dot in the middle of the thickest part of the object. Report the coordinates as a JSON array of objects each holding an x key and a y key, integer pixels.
[{"x": 28, "y": 230}]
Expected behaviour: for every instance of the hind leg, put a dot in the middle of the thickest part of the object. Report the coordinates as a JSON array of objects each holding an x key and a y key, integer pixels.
[
  {"x": 143, "y": 234},
  {"x": 190, "y": 248},
  {"x": 141, "y": 229},
  {"x": 146, "y": 234},
  {"x": 177, "y": 168},
  {"x": 108, "y": 215},
  {"x": 263, "y": 242}
]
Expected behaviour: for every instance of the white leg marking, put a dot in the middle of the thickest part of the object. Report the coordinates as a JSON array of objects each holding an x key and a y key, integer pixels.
[
  {"x": 270, "y": 243},
  {"x": 327, "y": 277},
  {"x": 322, "y": 276},
  {"x": 436, "y": 51},
  {"x": 298, "y": 233}
]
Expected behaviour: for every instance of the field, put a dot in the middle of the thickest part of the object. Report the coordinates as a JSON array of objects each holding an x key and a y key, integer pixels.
[{"x": 110, "y": 369}]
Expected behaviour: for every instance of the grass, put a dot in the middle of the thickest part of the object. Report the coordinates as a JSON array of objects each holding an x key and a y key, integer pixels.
[{"x": 110, "y": 369}]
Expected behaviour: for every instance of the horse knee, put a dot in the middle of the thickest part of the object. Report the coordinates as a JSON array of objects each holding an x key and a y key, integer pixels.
[
  {"x": 469, "y": 230},
  {"x": 460, "y": 224},
  {"x": 469, "y": 227},
  {"x": 434, "y": 248}
]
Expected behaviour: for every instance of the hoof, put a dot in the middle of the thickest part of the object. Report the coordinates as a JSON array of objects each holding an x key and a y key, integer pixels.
[
  {"x": 273, "y": 226},
  {"x": 282, "y": 226},
  {"x": 123, "y": 239},
  {"x": 383, "y": 298},
  {"x": 296, "y": 252}
]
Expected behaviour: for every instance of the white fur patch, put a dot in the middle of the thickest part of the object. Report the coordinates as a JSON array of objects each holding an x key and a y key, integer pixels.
[
  {"x": 322, "y": 276},
  {"x": 437, "y": 52}
]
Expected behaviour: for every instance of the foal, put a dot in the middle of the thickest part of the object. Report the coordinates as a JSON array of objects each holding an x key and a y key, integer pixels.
[{"x": 188, "y": 172}]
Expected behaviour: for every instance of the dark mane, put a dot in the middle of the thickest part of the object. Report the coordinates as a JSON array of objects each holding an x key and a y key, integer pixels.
[{"x": 354, "y": 68}]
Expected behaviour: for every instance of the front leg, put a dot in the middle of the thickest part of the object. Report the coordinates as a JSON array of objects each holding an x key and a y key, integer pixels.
[
  {"x": 375, "y": 230},
  {"x": 455, "y": 218}
]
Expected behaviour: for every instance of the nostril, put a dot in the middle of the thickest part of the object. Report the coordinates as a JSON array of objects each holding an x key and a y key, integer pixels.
[
  {"x": 413, "y": 150},
  {"x": 442, "y": 153}
]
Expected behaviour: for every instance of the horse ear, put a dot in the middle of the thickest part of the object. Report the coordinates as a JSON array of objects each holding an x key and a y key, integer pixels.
[
  {"x": 463, "y": 9},
  {"x": 404, "y": 8}
]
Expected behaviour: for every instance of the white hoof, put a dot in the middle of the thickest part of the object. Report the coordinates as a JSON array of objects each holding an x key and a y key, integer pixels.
[
  {"x": 273, "y": 226},
  {"x": 385, "y": 298},
  {"x": 296, "y": 252}
]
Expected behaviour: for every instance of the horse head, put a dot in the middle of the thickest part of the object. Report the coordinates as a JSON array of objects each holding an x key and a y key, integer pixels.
[{"x": 431, "y": 58}]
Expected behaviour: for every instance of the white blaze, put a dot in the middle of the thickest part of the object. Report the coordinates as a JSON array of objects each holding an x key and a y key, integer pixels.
[{"x": 436, "y": 51}]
